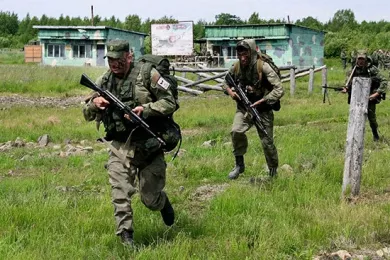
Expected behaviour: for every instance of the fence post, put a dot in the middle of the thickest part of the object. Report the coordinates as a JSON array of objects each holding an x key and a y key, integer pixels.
[
  {"x": 355, "y": 136},
  {"x": 324, "y": 78},
  {"x": 292, "y": 81},
  {"x": 311, "y": 81}
]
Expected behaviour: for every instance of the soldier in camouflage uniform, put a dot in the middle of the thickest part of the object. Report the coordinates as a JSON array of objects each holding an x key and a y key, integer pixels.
[
  {"x": 364, "y": 68},
  {"x": 261, "y": 93},
  {"x": 133, "y": 152},
  {"x": 343, "y": 57}
]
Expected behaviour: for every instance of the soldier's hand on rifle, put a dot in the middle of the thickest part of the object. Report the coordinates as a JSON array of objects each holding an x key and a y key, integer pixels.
[
  {"x": 232, "y": 94},
  {"x": 100, "y": 102},
  {"x": 374, "y": 96},
  {"x": 345, "y": 90},
  {"x": 258, "y": 102},
  {"x": 138, "y": 110}
]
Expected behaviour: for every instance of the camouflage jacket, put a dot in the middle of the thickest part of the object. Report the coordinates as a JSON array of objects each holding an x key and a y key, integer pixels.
[
  {"x": 157, "y": 100},
  {"x": 270, "y": 87},
  {"x": 379, "y": 83}
]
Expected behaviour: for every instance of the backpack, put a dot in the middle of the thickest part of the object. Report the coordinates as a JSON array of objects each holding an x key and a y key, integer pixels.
[
  {"x": 162, "y": 66},
  {"x": 261, "y": 58},
  {"x": 168, "y": 129}
]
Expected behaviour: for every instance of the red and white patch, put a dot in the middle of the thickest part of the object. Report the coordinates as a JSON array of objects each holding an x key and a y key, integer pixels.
[{"x": 163, "y": 83}]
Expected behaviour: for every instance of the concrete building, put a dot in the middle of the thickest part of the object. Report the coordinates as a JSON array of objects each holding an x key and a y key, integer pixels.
[
  {"x": 83, "y": 45},
  {"x": 286, "y": 43}
]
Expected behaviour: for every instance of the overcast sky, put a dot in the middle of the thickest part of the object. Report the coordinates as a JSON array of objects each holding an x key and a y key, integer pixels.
[{"x": 195, "y": 10}]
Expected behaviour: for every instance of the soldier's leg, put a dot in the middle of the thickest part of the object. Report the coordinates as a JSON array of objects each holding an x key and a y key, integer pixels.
[
  {"x": 239, "y": 139},
  {"x": 122, "y": 188},
  {"x": 270, "y": 152},
  {"x": 240, "y": 143},
  {"x": 371, "y": 115},
  {"x": 152, "y": 183}
]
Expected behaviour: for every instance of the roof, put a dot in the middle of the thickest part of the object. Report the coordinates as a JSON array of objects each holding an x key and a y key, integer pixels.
[
  {"x": 49, "y": 27},
  {"x": 263, "y": 25}
]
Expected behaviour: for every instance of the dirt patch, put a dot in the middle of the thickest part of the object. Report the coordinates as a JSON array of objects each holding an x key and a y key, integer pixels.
[
  {"x": 371, "y": 197},
  {"x": 18, "y": 100},
  {"x": 208, "y": 192},
  {"x": 192, "y": 132}
]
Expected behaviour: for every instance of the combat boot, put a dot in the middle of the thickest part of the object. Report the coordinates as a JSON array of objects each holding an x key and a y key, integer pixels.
[
  {"x": 127, "y": 237},
  {"x": 375, "y": 134},
  {"x": 238, "y": 168},
  {"x": 167, "y": 213},
  {"x": 273, "y": 172}
]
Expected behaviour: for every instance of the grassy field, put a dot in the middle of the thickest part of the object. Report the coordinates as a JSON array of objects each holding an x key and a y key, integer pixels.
[{"x": 59, "y": 207}]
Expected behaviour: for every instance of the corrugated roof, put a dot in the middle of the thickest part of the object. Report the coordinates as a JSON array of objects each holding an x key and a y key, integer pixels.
[
  {"x": 50, "y": 27},
  {"x": 263, "y": 25}
]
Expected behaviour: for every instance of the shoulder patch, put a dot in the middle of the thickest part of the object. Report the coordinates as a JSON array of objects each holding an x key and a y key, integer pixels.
[
  {"x": 163, "y": 83},
  {"x": 154, "y": 76}
]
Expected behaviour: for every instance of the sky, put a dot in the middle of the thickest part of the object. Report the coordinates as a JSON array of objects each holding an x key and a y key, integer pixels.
[{"x": 195, "y": 10}]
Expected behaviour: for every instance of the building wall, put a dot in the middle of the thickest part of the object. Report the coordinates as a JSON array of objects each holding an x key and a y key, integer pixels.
[
  {"x": 279, "y": 50},
  {"x": 92, "y": 39},
  {"x": 307, "y": 47},
  {"x": 68, "y": 59},
  {"x": 136, "y": 41},
  {"x": 286, "y": 44}
]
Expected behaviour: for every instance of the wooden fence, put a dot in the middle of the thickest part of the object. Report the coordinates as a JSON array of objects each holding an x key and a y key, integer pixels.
[
  {"x": 205, "y": 74},
  {"x": 32, "y": 53}
]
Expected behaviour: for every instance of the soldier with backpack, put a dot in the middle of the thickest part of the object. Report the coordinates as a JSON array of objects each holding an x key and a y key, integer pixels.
[
  {"x": 147, "y": 87},
  {"x": 261, "y": 80}
]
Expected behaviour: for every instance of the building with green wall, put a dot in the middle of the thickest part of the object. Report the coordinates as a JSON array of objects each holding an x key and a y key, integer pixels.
[
  {"x": 83, "y": 45},
  {"x": 287, "y": 44}
]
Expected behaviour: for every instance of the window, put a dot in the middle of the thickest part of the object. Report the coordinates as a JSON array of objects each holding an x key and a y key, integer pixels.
[
  {"x": 82, "y": 51},
  {"x": 55, "y": 50},
  {"x": 232, "y": 53}
]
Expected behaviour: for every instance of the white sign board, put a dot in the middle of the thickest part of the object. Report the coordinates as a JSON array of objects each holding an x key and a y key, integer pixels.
[{"x": 172, "y": 39}]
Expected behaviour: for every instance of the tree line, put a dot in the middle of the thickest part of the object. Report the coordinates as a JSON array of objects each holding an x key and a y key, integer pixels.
[{"x": 342, "y": 30}]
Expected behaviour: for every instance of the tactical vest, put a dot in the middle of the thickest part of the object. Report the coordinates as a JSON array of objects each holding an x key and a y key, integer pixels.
[
  {"x": 116, "y": 126},
  {"x": 260, "y": 83}
]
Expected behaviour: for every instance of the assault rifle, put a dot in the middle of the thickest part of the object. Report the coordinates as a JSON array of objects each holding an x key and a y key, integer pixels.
[
  {"x": 246, "y": 103},
  {"x": 326, "y": 95},
  {"x": 334, "y": 88},
  {"x": 134, "y": 118}
]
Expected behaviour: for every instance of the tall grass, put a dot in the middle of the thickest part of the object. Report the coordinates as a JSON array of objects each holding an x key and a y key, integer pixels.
[{"x": 60, "y": 207}]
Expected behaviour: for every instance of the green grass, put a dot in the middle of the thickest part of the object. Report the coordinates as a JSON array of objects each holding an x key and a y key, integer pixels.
[
  {"x": 11, "y": 57},
  {"x": 60, "y": 207}
]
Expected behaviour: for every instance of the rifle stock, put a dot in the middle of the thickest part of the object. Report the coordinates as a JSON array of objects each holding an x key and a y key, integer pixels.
[
  {"x": 87, "y": 82},
  {"x": 246, "y": 103}
]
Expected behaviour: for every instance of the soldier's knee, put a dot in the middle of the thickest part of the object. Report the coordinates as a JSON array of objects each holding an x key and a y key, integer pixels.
[
  {"x": 151, "y": 201},
  {"x": 237, "y": 134}
]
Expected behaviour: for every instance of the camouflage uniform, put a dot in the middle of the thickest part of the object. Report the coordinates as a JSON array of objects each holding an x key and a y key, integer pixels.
[
  {"x": 343, "y": 58},
  {"x": 378, "y": 85},
  {"x": 143, "y": 156},
  {"x": 249, "y": 76}
]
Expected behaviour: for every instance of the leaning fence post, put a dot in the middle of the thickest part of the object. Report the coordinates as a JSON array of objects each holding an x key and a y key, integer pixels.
[
  {"x": 311, "y": 81},
  {"x": 355, "y": 136},
  {"x": 292, "y": 81}
]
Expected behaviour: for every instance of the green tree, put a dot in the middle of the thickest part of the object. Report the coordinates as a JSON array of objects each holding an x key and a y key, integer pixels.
[
  {"x": 199, "y": 29},
  {"x": 254, "y": 19},
  {"x": 9, "y": 24},
  {"x": 342, "y": 18},
  {"x": 227, "y": 19},
  {"x": 310, "y": 22},
  {"x": 132, "y": 23}
]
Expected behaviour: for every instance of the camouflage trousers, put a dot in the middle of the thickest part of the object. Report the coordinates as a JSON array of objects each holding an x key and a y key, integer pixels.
[
  {"x": 151, "y": 180},
  {"x": 241, "y": 124},
  {"x": 371, "y": 115}
]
